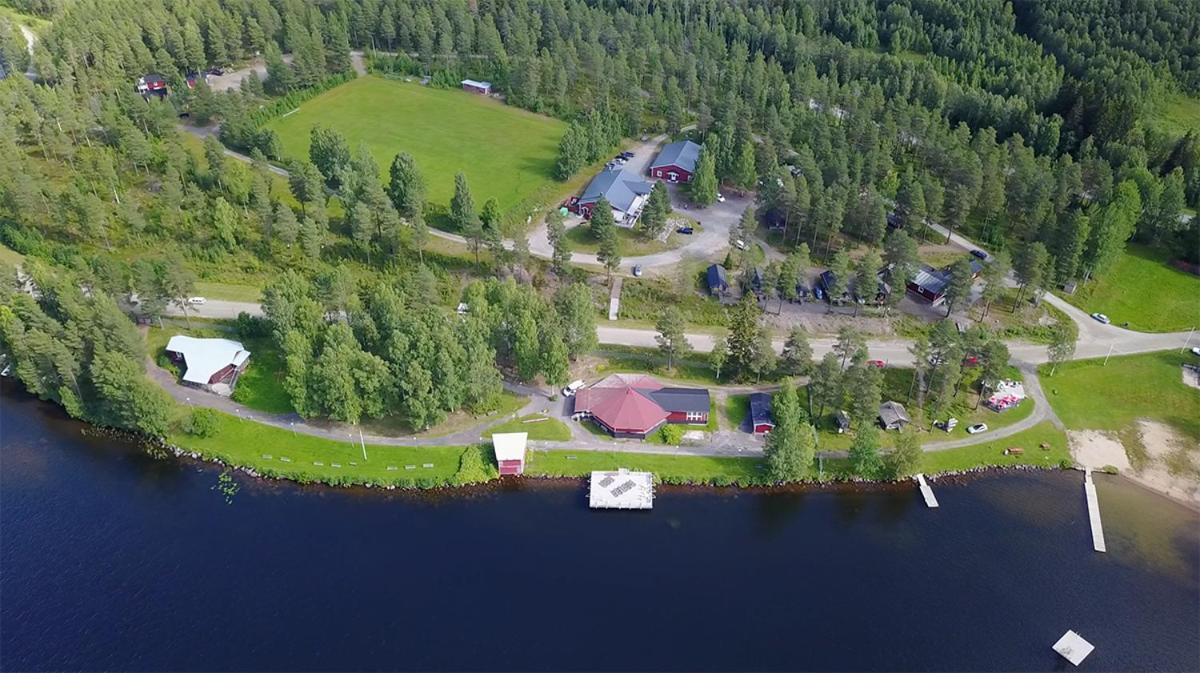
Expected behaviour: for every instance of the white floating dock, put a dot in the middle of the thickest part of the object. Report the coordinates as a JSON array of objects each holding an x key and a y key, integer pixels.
[
  {"x": 621, "y": 490},
  {"x": 926, "y": 492},
  {"x": 1093, "y": 504},
  {"x": 1073, "y": 647}
]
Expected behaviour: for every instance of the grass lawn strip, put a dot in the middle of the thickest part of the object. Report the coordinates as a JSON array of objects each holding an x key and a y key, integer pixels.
[
  {"x": 991, "y": 454},
  {"x": 539, "y": 427}
]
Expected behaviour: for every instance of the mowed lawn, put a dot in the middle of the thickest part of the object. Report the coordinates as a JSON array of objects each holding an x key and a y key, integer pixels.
[
  {"x": 1144, "y": 290},
  {"x": 506, "y": 153},
  {"x": 1088, "y": 394}
]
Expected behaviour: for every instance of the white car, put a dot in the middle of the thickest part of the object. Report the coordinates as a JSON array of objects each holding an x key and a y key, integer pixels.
[
  {"x": 1101, "y": 318},
  {"x": 720, "y": 198},
  {"x": 196, "y": 301},
  {"x": 977, "y": 428},
  {"x": 739, "y": 244},
  {"x": 572, "y": 388},
  {"x": 1196, "y": 350}
]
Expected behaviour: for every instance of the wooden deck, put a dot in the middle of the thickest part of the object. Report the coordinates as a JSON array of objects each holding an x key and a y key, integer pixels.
[
  {"x": 926, "y": 491},
  {"x": 1093, "y": 503}
]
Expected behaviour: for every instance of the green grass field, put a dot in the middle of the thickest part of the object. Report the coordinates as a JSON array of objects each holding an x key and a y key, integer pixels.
[
  {"x": 539, "y": 427},
  {"x": 1087, "y": 394},
  {"x": 1143, "y": 290},
  {"x": 631, "y": 243},
  {"x": 265, "y": 448},
  {"x": 10, "y": 256},
  {"x": 1177, "y": 115},
  {"x": 991, "y": 454},
  {"x": 506, "y": 153},
  {"x": 669, "y": 469}
]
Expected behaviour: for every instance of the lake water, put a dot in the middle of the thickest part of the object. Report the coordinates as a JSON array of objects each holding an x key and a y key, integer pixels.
[{"x": 110, "y": 559}]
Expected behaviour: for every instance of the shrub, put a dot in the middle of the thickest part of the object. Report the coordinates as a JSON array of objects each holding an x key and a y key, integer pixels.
[
  {"x": 251, "y": 327},
  {"x": 475, "y": 466},
  {"x": 201, "y": 423},
  {"x": 671, "y": 434}
]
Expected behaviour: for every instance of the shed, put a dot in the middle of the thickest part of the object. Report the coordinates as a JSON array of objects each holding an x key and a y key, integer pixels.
[
  {"x": 718, "y": 282},
  {"x": 892, "y": 416},
  {"x": 761, "y": 421},
  {"x": 510, "y": 451},
  {"x": 477, "y": 86}
]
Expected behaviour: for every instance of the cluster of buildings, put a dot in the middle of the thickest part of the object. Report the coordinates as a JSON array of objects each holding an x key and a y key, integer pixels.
[
  {"x": 627, "y": 191},
  {"x": 153, "y": 84}
]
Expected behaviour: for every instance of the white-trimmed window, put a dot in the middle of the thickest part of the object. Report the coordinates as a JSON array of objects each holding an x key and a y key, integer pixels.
[{"x": 695, "y": 416}]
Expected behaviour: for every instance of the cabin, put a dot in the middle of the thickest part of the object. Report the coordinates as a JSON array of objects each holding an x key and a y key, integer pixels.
[
  {"x": 210, "y": 364},
  {"x": 718, "y": 283},
  {"x": 676, "y": 162},
  {"x": 151, "y": 85},
  {"x": 635, "y": 405},
  {"x": 930, "y": 284},
  {"x": 892, "y": 416},
  {"x": 476, "y": 86},
  {"x": 627, "y": 196},
  {"x": 509, "y": 448},
  {"x": 760, "y": 420}
]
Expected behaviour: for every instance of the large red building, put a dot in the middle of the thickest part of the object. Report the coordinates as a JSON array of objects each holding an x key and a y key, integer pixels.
[{"x": 634, "y": 405}]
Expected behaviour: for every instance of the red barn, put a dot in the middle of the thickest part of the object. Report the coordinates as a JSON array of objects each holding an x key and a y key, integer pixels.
[
  {"x": 510, "y": 451},
  {"x": 676, "y": 162},
  {"x": 634, "y": 405}
]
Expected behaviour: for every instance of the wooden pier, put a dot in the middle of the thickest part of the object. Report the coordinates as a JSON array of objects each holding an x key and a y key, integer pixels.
[
  {"x": 926, "y": 491},
  {"x": 621, "y": 489},
  {"x": 1093, "y": 504}
]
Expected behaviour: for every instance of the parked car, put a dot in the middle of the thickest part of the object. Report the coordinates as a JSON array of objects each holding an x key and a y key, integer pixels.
[
  {"x": 970, "y": 361},
  {"x": 877, "y": 363},
  {"x": 196, "y": 301},
  {"x": 720, "y": 197},
  {"x": 686, "y": 230},
  {"x": 1101, "y": 318},
  {"x": 572, "y": 388},
  {"x": 1196, "y": 350},
  {"x": 637, "y": 270},
  {"x": 626, "y": 155},
  {"x": 979, "y": 253},
  {"x": 976, "y": 429},
  {"x": 739, "y": 244},
  {"x": 818, "y": 292},
  {"x": 216, "y": 71}
]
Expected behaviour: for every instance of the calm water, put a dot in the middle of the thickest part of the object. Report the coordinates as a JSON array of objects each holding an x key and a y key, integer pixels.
[{"x": 112, "y": 560}]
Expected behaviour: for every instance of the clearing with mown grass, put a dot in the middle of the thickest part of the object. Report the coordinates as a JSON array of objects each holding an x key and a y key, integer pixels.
[
  {"x": 506, "y": 153},
  {"x": 1092, "y": 395},
  {"x": 538, "y": 426},
  {"x": 1144, "y": 290},
  {"x": 1176, "y": 115}
]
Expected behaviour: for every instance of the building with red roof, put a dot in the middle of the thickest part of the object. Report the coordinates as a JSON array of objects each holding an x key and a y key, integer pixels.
[{"x": 635, "y": 405}]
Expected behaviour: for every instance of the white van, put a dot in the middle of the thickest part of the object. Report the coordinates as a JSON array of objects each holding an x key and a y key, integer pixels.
[{"x": 572, "y": 388}]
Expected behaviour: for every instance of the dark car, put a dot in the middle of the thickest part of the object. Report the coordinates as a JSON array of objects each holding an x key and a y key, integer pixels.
[
  {"x": 626, "y": 155},
  {"x": 818, "y": 292},
  {"x": 979, "y": 253},
  {"x": 216, "y": 71},
  {"x": 686, "y": 230}
]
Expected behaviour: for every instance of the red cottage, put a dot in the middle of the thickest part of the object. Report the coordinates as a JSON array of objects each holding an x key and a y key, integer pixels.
[{"x": 676, "y": 162}]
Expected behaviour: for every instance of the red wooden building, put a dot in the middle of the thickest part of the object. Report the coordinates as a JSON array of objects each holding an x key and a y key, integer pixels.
[
  {"x": 676, "y": 162},
  {"x": 634, "y": 405},
  {"x": 510, "y": 451},
  {"x": 761, "y": 421}
]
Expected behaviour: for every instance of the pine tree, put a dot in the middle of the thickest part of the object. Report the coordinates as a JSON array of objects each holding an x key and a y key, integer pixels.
[
  {"x": 703, "y": 188},
  {"x": 463, "y": 215},
  {"x": 672, "y": 342},
  {"x": 406, "y": 186}
]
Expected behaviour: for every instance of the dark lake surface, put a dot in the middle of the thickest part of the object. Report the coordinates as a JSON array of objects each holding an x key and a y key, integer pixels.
[{"x": 110, "y": 559}]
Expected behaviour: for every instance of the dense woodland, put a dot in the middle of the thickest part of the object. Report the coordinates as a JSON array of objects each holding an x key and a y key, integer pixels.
[{"x": 1023, "y": 124}]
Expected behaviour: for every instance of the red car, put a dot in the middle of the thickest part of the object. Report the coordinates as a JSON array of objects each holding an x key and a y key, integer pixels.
[
  {"x": 970, "y": 361},
  {"x": 877, "y": 363}
]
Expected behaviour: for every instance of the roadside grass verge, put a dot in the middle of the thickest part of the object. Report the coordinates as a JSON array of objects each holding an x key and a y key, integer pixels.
[
  {"x": 1088, "y": 394},
  {"x": 228, "y": 291},
  {"x": 263, "y": 448},
  {"x": 644, "y": 299},
  {"x": 1173, "y": 302},
  {"x": 630, "y": 243},
  {"x": 539, "y": 427}
]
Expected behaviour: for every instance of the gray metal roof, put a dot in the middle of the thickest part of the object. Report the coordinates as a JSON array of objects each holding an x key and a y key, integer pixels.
[
  {"x": 760, "y": 409},
  {"x": 681, "y": 399},
  {"x": 618, "y": 188},
  {"x": 893, "y": 413},
  {"x": 683, "y": 154},
  {"x": 931, "y": 280},
  {"x": 716, "y": 278}
]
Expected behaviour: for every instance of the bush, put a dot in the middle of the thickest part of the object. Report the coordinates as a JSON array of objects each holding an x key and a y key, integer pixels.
[
  {"x": 671, "y": 434},
  {"x": 201, "y": 423},
  {"x": 251, "y": 327},
  {"x": 475, "y": 466}
]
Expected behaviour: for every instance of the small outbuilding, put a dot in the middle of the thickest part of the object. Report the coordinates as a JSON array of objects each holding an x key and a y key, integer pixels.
[
  {"x": 761, "y": 422},
  {"x": 892, "y": 416},
  {"x": 510, "y": 451},
  {"x": 476, "y": 86},
  {"x": 676, "y": 162},
  {"x": 211, "y": 364},
  {"x": 718, "y": 282}
]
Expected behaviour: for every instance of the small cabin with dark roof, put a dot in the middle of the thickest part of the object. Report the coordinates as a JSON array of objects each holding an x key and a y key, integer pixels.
[
  {"x": 715, "y": 276},
  {"x": 676, "y": 162},
  {"x": 761, "y": 421}
]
